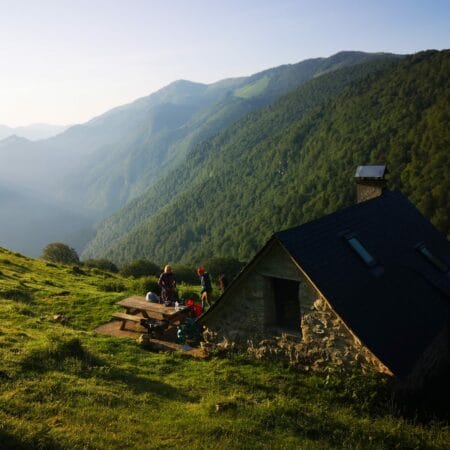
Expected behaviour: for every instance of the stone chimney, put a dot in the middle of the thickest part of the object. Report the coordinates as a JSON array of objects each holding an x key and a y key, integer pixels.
[{"x": 370, "y": 182}]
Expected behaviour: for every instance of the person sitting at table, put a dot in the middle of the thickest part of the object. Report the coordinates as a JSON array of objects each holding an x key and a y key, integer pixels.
[{"x": 168, "y": 285}]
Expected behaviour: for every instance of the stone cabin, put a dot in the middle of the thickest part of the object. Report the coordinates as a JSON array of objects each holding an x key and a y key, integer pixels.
[{"x": 366, "y": 285}]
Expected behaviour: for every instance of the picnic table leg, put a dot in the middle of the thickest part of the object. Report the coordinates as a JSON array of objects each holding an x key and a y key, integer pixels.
[{"x": 122, "y": 325}]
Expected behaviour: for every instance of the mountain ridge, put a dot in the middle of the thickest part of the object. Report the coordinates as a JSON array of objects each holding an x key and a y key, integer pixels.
[
  {"x": 95, "y": 168},
  {"x": 379, "y": 110},
  {"x": 32, "y": 132}
]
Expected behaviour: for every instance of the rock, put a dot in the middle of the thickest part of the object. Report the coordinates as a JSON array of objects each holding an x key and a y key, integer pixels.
[
  {"x": 61, "y": 318},
  {"x": 144, "y": 340},
  {"x": 223, "y": 406},
  {"x": 319, "y": 305}
]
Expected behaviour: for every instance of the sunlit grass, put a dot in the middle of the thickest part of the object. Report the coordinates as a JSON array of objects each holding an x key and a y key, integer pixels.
[{"x": 63, "y": 386}]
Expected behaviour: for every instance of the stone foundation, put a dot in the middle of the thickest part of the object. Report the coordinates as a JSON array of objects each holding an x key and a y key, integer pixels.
[
  {"x": 326, "y": 344},
  {"x": 245, "y": 319},
  {"x": 326, "y": 341}
]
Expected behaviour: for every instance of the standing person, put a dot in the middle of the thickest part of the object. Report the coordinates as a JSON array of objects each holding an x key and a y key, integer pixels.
[
  {"x": 206, "y": 286},
  {"x": 223, "y": 283},
  {"x": 168, "y": 285}
]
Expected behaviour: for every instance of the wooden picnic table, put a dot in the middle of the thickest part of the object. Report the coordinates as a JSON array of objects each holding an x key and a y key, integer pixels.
[{"x": 137, "y": 308}]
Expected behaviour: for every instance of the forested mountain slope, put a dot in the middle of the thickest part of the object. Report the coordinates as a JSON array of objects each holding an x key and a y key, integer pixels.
[
  {"x": 269, "y": 172},
  {"x": 94, "y": 168},
  {"x": 252, "y": 129},
  {"x": 174, "y": 120}
]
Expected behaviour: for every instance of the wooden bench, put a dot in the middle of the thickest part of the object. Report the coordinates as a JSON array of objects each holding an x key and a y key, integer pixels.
[{"x": 124, "y": 317}]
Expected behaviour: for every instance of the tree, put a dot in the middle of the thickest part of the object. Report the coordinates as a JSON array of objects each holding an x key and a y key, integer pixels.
[
  {"x": 60, "y": 253},
  {"x": 140, "y": 268}
]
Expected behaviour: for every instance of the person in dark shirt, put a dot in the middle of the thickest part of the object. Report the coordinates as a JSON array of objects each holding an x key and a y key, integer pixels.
[
  {"x": 206, "y": 291},
  {"x": 168, "y": 285}
]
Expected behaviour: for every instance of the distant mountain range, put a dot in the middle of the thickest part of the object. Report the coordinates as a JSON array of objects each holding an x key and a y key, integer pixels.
[
  {"x": 32, "y": 132},
  {"x": 30, "y": 222},
  {"x": 93, "y": 169}
]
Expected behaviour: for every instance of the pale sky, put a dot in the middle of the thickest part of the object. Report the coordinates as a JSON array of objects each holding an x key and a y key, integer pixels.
[{"x": 64, "y": 62}]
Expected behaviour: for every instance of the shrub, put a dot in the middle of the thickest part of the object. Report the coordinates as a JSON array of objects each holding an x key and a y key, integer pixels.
[
  {"x": 189, "y": 294},
  {"x": 76, "y": 270},
  {"x": 140, "y": 268},
  {"x": 185, "y": 274},
  {"x": 146, "y": 284},
  {"x": 112, "y": 286},
  {"x": 103, "y": 264},
  {"x": 58, "y": 252},
  {"x": 229, "y": 267},
  {"x": 102, "y": 273},
  {"x": 150, "y": 284}
]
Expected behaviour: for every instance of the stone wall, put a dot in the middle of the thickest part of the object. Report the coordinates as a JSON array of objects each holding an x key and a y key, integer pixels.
[
  {"x": 245, "y": 309},
  {"x": 244, "y": 316},
  {"x": 328, "y": 342}
]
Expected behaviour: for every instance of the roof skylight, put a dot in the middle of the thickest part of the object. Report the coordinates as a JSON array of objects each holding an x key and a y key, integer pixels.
[
  {"x": 361, "y": 251},
  {"x": 433, "y": 259}
]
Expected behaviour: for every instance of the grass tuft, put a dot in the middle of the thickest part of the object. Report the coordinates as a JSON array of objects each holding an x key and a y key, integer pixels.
[
  {"x": 17, "y": 294},
  {"x": 59, "y": 354}
]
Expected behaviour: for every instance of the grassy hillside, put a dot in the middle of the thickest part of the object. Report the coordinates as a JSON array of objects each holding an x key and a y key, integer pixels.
[
  {"x": 294, "y": 161},
  {"x": 65, "y": 387}
]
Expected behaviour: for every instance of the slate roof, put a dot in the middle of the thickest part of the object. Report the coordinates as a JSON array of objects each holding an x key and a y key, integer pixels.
[
  {"x": 397, "y": 306},
  {"x": 370, "y": 172}
]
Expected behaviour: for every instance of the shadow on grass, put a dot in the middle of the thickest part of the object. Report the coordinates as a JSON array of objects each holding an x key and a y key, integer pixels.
[
  {"x": 69, "y": 356},
  {"x": 352, "y": 434},
  {"x": 139, "y": 385},
  {"x": 41, "y": 440},
  {"x": 19, "y": 294},
  {"x": 365, "y": 393}
]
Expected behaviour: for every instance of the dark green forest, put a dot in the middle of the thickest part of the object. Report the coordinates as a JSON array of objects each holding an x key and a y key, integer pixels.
[{"x": 294, "y": 161}]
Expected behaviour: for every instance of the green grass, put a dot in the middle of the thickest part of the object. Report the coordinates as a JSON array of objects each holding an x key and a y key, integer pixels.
[
  {"x": 254, "y": 89},
  {"x": 63, "y": 386}
]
